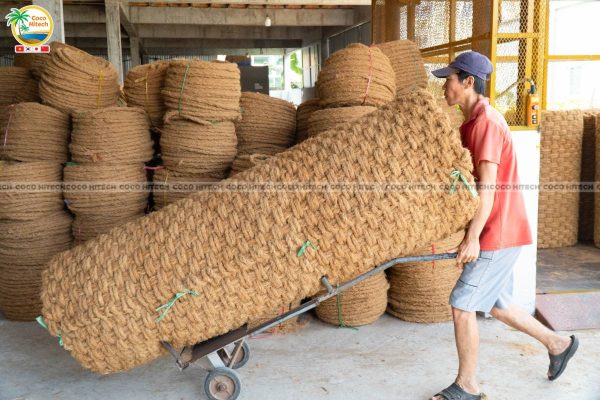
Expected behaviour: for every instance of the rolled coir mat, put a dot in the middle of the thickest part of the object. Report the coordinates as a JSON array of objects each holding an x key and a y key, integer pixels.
[
  {"x": 419, "y": 292},
  {"x": 142, "y": 88},
  {"x": 171, "y": 186},
  {"x": 75, "y": 80},
  {"x": 327, "y": 118},
  {"x": 356, "y": 76},
  {"x": 113, "y": 134},
  {"x": 88, "y": 226},
  {"x": 303, "y": 113},
  {"x": 203, "y": 90},
  {"x": 243, "y": 162},
  {"x": 214, "y": 261},
  {"x": 407, "y": 63}
]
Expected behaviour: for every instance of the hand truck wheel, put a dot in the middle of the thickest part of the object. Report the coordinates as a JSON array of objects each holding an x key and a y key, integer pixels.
[
  {"x": 241, "y": 358},
  {"x": 222, "y": 384}
]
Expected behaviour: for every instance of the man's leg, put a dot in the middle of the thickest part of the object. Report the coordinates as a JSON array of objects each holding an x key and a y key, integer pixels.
[
  {"x": 466, "y": 333},
  {"x": 516, "y": 317}
]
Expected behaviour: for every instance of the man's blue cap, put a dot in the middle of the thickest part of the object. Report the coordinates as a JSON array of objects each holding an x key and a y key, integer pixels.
[{"x": 471, "y": 62}]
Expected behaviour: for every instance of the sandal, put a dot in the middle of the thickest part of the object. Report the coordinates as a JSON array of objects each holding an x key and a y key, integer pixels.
[
  {"x": 559, "y": 362},
  {"x": 455, "y": 392}
]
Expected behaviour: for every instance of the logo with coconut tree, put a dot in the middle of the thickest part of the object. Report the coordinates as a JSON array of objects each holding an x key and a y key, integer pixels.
[{"x": 31, "y": 25}]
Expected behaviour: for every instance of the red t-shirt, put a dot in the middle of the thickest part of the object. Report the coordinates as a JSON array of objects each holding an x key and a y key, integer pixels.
[{"x": 487, "y": 136}]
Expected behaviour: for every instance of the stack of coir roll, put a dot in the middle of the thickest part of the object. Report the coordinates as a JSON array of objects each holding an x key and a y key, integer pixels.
[
  {"x": 362, "y": 304},
  {"x": 588, "y": 173},
  {"x": 407, "y": 63},
  {"x": 75, "y": 80},
  {"x": 268, "y": 124},
  {"x": 104, "y": 185},
  {"x": 143, "y": 86},
  {"x": 33, "y": 223},
  {"x": 419, "y": 292},
  {"x": 558, "y": 207},
  {"x": 303, "y": 113},
  {"x": 353, "y": 82},
  {"x": 16, "y": 86},
  {"x": 198, "y": 140}
]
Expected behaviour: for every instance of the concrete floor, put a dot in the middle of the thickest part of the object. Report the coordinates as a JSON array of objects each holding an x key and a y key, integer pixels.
[{"x": 391, "y": 359}]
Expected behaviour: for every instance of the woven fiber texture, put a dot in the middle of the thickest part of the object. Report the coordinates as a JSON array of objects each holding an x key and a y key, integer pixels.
[
  {"x": 143, "y": 86},
  {"x": 203, "y": 90},
  {"x": 588, "y": 174},
  {"x": 558, "y": 212},
  {"x": 323, "y": 120},
  {"x": 34, "y": 132},
  {"x": 454, "y": 114},
  {"x": 419, "y": 292},
  {"x": 28, "y": 205},
  {"x": 114, "y": 134},
  {"x": 356, "y": 76},
  {"x": 597, "y": 197},
  {"x": 246, "y": 161},
  {"x": 25, "y": 248},
  {"x": 240, "y": 250},
  {"x": 36, "y": 63},
  {"x": 75, "y": 80},
  {"x": 303, "y": 113},
  {"x": 193, "y": 147},
  {"x": 17, "y": 85},
  {"x": 362, "y": 304},
  {"x": 171, "y": 186},
  {"x": 268, "y": 124},
  {"x": 105, "y": 201},
  {"x": 406, "y": 62},
  {"x": 88, "y": 226}
]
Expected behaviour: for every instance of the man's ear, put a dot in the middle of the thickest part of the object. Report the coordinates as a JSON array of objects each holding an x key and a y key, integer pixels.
[{"x": 469, "y": 81}]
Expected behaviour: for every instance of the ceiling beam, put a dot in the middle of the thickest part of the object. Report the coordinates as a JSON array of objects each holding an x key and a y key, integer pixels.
[
  {"x": 87, "y": 14},
  {"x": 100, "y": 43},
  {"x": 265, "y": 2}
]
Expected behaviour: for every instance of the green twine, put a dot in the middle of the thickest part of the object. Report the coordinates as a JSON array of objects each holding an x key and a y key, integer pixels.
[
  {"x": 40, "y": 320},
  {"x": 187, "y": 68},
  {"x": 171, "y": 302},
  {"x": 71, "y": 164},
  {"x": 341, "y": 323},
  {"x": 456, "y": 174},
  {"x": 305, "y": 245}
]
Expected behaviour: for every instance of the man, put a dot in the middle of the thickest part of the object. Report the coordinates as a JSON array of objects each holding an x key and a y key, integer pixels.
[{"x": 496, "y": 234}]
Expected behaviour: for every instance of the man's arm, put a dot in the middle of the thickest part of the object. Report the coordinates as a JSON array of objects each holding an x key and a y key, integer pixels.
[{"x": 469, "y": 248}]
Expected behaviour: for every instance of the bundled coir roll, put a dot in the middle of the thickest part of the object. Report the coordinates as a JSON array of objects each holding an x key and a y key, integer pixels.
[
  {"x": 268, "y": 124},
  {"x": 171, "y": 186},
  {"x": 25, "y": 248},
  {"x": 75, "y": 80},
  {"x": 322, "y": 120},
  {"x": 362, "y": 304},
  {"x": 243, "y": 162},
  {"x": 303, "y": 113},
  {"x": 114, "y": 134},
  {"x": 407, "y": 63},
  {"x": 239, "y": 251},
  {"x": 597, "y": 196},
  {"x": 203, "y": 90},
  {"x": 419, "y": 292},
  {"x": 119, "y": 189},
  {"x": 588, "y": 174},
  {"x": 88, "y": 226},
  {"x": 17, "y": 85},
  {"x": 197, "y": 147},
  {"x": 34, "y": 132},
  {"x": 27, "y": 200},
  {"x": 558, "y": 208},
  {"x": 36, "y": 63},
  {"x": 356, "y": 76},
  {"x": 143, "y": 86}
]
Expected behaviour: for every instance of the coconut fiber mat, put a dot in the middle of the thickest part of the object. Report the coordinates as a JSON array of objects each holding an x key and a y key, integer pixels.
[{"x": 215, "y": 260}]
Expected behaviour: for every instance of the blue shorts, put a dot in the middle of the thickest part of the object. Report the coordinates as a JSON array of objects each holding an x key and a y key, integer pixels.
[{"x": 486, "y": 282}]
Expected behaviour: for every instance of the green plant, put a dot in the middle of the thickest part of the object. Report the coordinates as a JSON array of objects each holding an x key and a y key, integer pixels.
[{"x": 17, "y": 17}]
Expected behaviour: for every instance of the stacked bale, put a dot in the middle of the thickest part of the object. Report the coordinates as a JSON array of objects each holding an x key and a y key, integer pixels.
[
  {"x": 356, "y": 76},
  {"x": 303, "y": 114},
  {"x": 588, "y": 173},
  {"x": 407, "y": 64},
  {"x": 34, "y": 132},
  {"x": 362, "y": 304},
  {"x": 75, "y": 80},
  {"x": 143, "y": 86},
  {"x": 268, "y": 124},
  {"x": 561, "y": 138},
  {"x": 240, "y": 250},
  {"x": 109, "y": 148},
  {"x": 33, "y": 228},
  {"x": 327, "y": 118},
  {"x": 198, "y": 140},
  {"x": 597, "y": 197},
  {"x": 419, "y": 292}
]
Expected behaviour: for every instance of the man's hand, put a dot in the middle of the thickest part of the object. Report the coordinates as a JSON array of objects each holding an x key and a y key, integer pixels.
[{"x": 468, "y": 251}]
